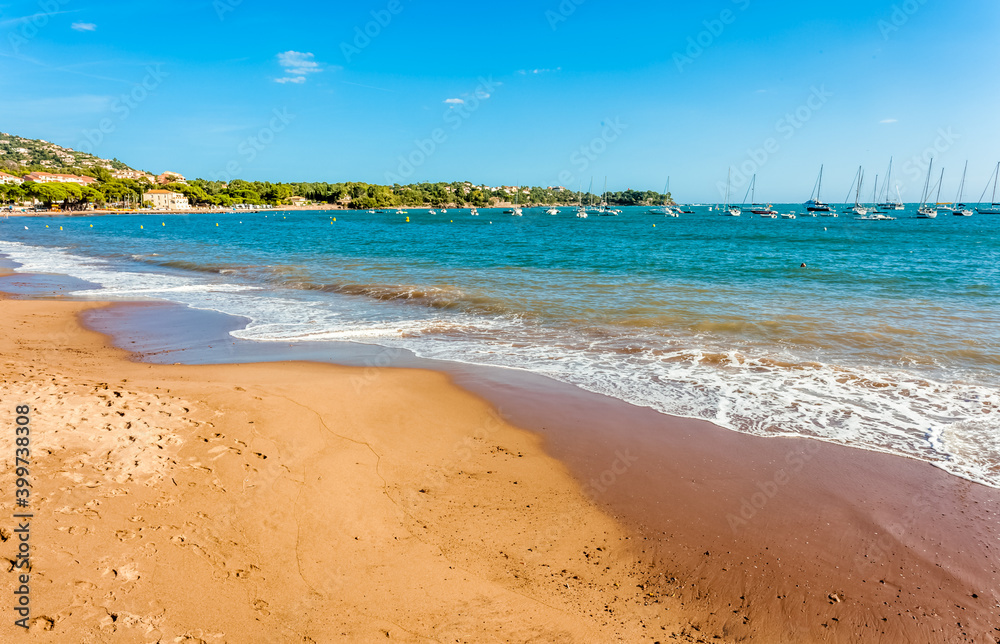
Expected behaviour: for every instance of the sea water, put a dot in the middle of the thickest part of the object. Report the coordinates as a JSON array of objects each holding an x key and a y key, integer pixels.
[{"x": 888, "y": 339}]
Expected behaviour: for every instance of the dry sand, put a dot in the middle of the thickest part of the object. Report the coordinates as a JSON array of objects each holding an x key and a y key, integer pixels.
[{"x": 295, "y": 502}]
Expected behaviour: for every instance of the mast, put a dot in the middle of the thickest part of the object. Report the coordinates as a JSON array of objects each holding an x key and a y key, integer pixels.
[
  {"x": 819, "y": 184},
  {"x": 729, "y": 179},
  {"x": 750, "y": 189},
  {"x": 940, "y": 181},
  {"x": 961, "y": 187},
  {"x": 857, "y": 176},
  {"x": 888, "y": 180},
  {"x": 927, "y": 185},
  {"x": 996, "y": 176}
]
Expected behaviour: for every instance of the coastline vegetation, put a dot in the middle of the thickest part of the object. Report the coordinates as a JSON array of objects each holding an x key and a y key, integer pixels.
[{"x": 108, "y": 191}]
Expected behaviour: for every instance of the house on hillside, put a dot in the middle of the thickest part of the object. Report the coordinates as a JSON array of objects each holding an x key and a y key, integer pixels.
[
  {"x": 297, "y": 201},
  {"x": 170, "y": 177},
  {"x": 9, "y": 178},
  {"x": 166, "y": 200},
  {"x": 133, "y": 174},
  {"x": 49, "y": 177}
]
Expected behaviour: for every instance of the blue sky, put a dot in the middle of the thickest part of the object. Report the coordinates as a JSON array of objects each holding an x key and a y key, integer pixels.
[{"x": 547, "y": 92}]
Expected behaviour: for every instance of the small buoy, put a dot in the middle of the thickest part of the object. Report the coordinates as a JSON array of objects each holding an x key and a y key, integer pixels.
[
  {"x": 46, "y": 225},
  {"x": 824, "y": 228},
  {"x": 163, "y": 223},
  {"x": 91, "y": 225},
  {"x": 451, "y": 221},
  {"x": 407, "y": 219},
  {"x": 216, "y": 223},
  {"x": 654, "y": 225},
  {"x": 803, "y": 265},
  {"x": 140, "y": 226},
  {"x": 335, "y": 219},
  {"x": 60, "y": 227}
]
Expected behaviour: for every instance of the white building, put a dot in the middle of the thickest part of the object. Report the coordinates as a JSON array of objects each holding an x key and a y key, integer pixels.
[
  {"x": 166, "y": 200},
  {"x": 48, "y": 177}
]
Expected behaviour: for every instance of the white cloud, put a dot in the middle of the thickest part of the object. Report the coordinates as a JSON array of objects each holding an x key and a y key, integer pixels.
[
  {"x": 525, "y": 72},
  {"x": 83, "y": 26},
  {"x": 297, "y": 66},
  {"x": 889, "y": 121},
  {"x": 454, "y": 101}
]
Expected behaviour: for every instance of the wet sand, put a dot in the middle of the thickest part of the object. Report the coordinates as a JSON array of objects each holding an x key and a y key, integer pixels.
[{"x": 765, "y": 539}]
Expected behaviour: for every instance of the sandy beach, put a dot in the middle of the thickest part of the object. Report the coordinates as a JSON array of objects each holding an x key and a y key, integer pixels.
[{"x": 296, "y": 502}]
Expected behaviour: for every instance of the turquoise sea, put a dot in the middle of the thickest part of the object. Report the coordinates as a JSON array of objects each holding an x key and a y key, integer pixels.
[{"x": 888, "y": 339}]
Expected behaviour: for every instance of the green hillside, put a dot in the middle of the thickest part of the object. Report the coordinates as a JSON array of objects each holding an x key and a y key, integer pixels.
[{"x": 19, "y": 152}]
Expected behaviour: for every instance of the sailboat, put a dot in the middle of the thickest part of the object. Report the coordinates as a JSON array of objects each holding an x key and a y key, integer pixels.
[
  {"x": 730, "y": 210},
  {"x": 604, "y": 210},
  {"x": 665, "y": 209},
  {"x": 760, "y": 209},
  {"x": 874, "y": 214},
  {"x": 474, "y": 212},
  {"x": 814, "y": 204},
  {"x": 960, "y": 209},
  {"x": 516, "y": 212},
  {"x": 581, "y": 212},
  {"x": 886, "y": 204},
  {"x": 994, "y": 207},
  {"x": 857, "y": 208},
  {"x": 552, "y": 211},
  {"x": 925, "y": 211},
  {"x": 940, "y": 183}
]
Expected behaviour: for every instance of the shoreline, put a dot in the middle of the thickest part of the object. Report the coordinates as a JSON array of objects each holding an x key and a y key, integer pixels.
[
  {"x": 403, "y": 511},
  {"x": 256, "y": 210},
  {"x": 798, "y": 539},
  {"x": 807, "y": 514}
]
